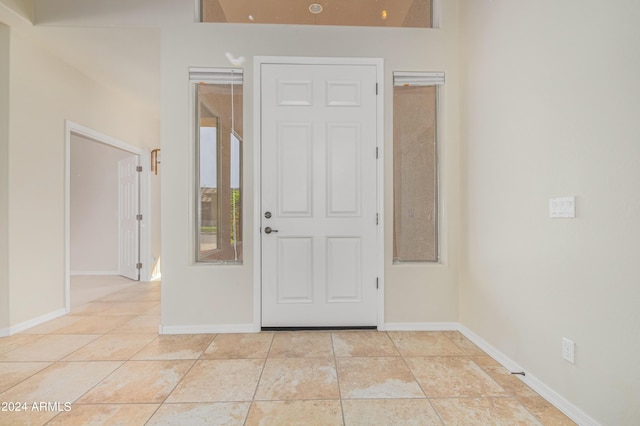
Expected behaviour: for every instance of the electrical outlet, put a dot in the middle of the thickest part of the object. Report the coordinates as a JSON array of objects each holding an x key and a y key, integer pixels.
[{"x": 569, "y": 350}]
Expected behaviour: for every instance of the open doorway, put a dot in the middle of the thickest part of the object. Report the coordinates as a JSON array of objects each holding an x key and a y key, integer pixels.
[{"x": 107, "y": 215}]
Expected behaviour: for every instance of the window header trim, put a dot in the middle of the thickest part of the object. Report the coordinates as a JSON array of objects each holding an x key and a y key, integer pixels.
[
  {"x": 409, "y": 78},
  {"x": 216, "y": 75}
]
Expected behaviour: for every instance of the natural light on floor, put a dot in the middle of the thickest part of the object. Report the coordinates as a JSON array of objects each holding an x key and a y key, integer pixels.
[{"x": 106, "y": 361}]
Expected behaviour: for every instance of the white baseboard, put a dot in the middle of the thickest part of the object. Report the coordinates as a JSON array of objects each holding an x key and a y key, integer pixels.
[
  {"x": 36, "y": 321},
  {"x": 557, "y": 400},
  {"x": 542, "y": 389},
  {"x": 420, "y": 326},
  {"x": 207, "y": 329},
  {"x": 90, "y": 273},
  {"x": 4, "y": 332}
]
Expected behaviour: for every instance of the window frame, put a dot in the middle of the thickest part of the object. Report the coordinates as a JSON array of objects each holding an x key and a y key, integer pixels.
[
  {"x": 436, "y": 79},
  {"x": 213, "y": 76},
  {"x": 198, "y": 196}
]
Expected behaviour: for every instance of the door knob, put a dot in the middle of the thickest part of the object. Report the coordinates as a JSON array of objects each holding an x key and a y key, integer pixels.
[{"x": 268, "y": 230}]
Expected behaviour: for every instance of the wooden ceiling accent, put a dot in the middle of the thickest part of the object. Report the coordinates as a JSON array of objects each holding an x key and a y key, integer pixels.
[{"x": 368, "y": 13}]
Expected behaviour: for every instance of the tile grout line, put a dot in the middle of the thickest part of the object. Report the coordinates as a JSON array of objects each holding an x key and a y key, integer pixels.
[
  {"x": 122, "y": 362},
  {"x": 512, "y": 393},
  {"x": 335, "y": 363},
  {"x": 255, "y": 391},
  {"x": 426, "y": 395}
]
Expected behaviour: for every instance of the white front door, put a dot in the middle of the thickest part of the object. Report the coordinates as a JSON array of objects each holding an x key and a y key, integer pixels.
[
  {"x": 128, "y": 223},
  {"x": 318, "y": 125}
]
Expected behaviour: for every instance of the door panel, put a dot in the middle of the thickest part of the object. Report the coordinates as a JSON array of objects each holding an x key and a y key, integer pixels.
[
  {"x": 343, "y": 169},
  {"x": 295, "y": 270},
  {"x": 344, "y": 270},
  {"x": 128, "y": 209},
  {"x": 294, "y": 169},
  {"x": 319, "y": 184}
]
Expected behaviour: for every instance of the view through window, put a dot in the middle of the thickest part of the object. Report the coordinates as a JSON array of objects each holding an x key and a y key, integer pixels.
[
  {"x": 415, "y": 167},
  {"x": 219, "y": 169}
]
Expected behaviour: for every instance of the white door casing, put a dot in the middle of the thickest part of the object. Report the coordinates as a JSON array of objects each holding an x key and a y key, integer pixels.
[
  {"x": 129, "y": 224},
  {"x": 319, "y": 183},
  {"x": 143, "y": 195}
]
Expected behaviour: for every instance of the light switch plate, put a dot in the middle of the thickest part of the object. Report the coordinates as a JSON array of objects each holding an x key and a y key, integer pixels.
[
  {"x": 569, "y": 350},
  {"x": 562, "y": 207}
]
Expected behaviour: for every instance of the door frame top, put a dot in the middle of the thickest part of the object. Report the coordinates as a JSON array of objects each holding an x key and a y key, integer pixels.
[{"x": 258, "y": 61}]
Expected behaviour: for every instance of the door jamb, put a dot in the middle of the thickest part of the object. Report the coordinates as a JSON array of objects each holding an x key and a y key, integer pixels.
[
  {"x": 257, "y": 171},
  {"x": 144, "y": 194}
]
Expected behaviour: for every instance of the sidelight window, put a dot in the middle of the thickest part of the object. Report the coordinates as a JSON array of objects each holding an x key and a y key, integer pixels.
[
  {"x": 218, "y": 220},
  {"x": 415, "y": 166}
]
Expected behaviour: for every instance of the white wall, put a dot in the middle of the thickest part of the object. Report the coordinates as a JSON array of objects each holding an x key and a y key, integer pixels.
[
  {"x": 94, "y": 206},
  {"x": 216, "y": 294},
  {"x": 551, "y": 97},
  {"x": 5, "y": 37},
  {"x": 40, "y": 103}
]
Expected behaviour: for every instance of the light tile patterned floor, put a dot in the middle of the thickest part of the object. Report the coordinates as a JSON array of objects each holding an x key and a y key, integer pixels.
[{"x": 106, "y": 360}]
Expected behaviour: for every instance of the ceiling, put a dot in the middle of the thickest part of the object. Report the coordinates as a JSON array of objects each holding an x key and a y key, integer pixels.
[{"x": 373, "y": 13}]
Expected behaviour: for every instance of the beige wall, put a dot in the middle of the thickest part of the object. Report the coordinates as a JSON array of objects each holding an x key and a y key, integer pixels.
[
  {"x": 44, "y": 93},
  {"x": 5, "y": 37},
  {"x": 24, "y": 8},
  {"x": 94, "y": 206},
  {"x": 551, "y": 97},
  {"x": 218, "y": 294}
]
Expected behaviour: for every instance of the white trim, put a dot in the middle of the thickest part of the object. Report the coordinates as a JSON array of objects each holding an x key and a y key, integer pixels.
[
  {"x": 418, "y": 78},
  {"x": 197, "y": 16},
  {"x": 216, "y": 75},
  {"x": 145, "y": 201},
  {"x": 208, "y": 329},
  {"x": 553, "y": 397},
  {"x": 257, "y": 194},
  {"x": 92, "y": 273},
  {"x": 494, "y": 353},
  {"x": 4, "y": 332},
  {"x": 18, "y": 328},
  {"x": 420, "y": 326},
  {"x": 380, "y": 185},
  {"x": 436, "y": 14},
  {"x": 257, "y": 254}
]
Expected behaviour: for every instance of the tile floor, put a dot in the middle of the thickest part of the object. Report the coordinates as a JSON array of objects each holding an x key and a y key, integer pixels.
[{"x": 108, "y": 363}]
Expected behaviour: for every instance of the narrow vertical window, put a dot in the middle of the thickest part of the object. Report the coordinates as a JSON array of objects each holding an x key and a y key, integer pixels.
[
  {"x": 415, "y": 167},
  {"x": 218, "y": 232}
]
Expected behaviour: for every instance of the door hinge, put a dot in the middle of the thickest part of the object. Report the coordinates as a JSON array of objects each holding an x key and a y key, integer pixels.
[
  {"x": 377, "y": 218},
  {"x": 138, "y": 217},
  {"x": 377, "y": 282},
  {"x": 138, "y": 265},
  {"x": 138, "y": 168},
  {"x": 376, "y": 89},
  {"x": 377, "y": 152}
]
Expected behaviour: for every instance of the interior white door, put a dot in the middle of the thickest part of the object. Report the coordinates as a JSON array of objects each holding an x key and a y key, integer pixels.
[
  {"x": 319, "y": 195},
  {"x": 128, "y": 223}
]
